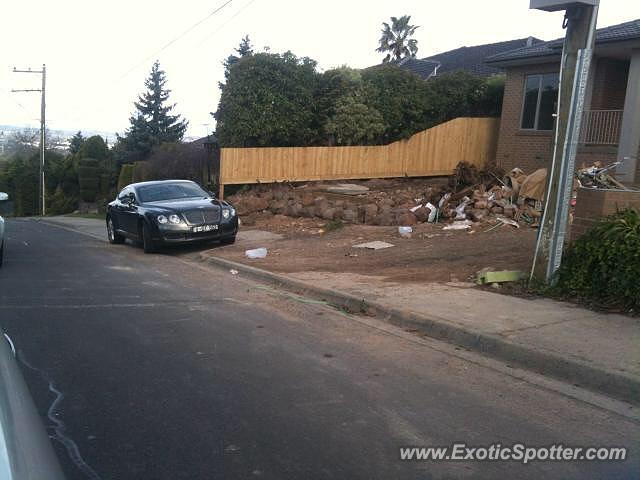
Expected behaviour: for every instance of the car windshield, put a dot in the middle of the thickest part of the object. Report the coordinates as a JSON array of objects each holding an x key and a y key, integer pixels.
[{"x": 170, "y": 191}]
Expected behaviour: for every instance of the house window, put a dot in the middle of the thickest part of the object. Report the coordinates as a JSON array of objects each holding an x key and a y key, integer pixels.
[{"x": 540, "y": 97}]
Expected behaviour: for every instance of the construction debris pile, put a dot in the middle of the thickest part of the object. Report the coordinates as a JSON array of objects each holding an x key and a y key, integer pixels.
[
  {"x": 597, "y": 176},
  {"x": 469, "y": 196}
]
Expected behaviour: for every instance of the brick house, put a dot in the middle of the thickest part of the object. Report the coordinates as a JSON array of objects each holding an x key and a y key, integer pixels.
[{"x": 611, "y": 122}]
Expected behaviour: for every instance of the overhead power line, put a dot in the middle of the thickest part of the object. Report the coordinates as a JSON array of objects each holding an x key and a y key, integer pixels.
[
  {"x": 208, "y": 37},
  {"x": 168, "y": 44}
]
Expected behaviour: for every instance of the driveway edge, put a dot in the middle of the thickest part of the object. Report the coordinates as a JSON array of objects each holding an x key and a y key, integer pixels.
[{"x": 614, "y": 384}]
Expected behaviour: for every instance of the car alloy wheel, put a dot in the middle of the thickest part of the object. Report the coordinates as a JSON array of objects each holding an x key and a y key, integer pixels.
[
  {"x": 110, "y": 230},
  {"x": 112, "y": 235}
]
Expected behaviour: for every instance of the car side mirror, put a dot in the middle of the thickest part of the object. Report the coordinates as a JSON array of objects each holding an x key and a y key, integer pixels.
[
  {"x": 3, "y": 196},
  {"x": 131, "y": 199}
]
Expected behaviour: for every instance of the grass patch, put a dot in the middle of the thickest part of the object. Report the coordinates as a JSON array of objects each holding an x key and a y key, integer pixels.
[{"x": 333, "y": 225}]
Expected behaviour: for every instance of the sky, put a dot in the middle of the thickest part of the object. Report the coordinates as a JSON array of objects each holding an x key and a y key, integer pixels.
[{"x": 98, "y": 54}]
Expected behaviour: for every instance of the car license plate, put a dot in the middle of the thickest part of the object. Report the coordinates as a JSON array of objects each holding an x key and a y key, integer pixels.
[{"x": 204, "y": 228}]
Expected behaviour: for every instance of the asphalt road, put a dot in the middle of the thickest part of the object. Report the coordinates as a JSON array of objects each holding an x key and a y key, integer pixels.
[{"x": 167, "y": 369}]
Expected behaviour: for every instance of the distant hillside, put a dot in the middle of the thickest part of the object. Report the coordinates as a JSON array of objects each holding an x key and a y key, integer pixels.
[{"x": 6, "y": 130}]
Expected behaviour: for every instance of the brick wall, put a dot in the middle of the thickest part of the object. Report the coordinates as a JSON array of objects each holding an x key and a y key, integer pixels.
[
  {"x": 531, "y": 150},
  {"x": 528, "y": 150},
  {"x": 609, "y": 84},
  {"x": 592, "y": 205}
]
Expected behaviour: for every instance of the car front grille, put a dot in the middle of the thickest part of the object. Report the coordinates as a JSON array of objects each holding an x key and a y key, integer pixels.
[{"x": 202, "y": 216}]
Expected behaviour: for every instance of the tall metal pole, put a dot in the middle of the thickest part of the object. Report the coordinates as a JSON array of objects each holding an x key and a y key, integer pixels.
[
  {"x": 574, "y": 72},
  {"x": 43, "y": 137},
  {"x": 43, "y": 129}
]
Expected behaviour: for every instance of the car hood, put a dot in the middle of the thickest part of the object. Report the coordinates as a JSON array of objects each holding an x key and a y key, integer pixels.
[{"x": 181, "y": 205}]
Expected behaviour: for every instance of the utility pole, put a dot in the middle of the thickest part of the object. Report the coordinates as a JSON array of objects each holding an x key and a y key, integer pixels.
[
  {"x": 580, "y": 22},
  {"x": 41, "y": 186}
]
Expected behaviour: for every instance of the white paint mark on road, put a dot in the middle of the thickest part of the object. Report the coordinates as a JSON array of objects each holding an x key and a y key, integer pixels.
[{"x": 120, "y": 268}]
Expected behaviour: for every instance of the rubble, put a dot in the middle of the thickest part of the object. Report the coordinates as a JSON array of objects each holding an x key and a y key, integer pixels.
[
  {"x": 470, "y": 195},
  {"x": 597, "y": 176}
]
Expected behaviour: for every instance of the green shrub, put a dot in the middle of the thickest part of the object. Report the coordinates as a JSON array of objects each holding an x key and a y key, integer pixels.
[
  {"x": 141, "y": 171},
  {"x": 126, "y": 175},
  {"x": 59, "y": 203},
  {"x": 89, "y": 178},
  {"x": 105, "y": 183},
  {"x": 333, "y": 225},
  {"x": 603, "y": 266}
]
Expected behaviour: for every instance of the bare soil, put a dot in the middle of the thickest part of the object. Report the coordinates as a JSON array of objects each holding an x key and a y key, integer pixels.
[{"x": 430, "y": 255}]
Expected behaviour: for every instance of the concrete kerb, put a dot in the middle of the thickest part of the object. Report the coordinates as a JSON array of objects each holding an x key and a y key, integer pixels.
[{"x": 614, "y": 384}]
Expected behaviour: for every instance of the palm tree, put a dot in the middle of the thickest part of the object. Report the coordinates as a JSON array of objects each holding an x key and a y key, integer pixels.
[{"x": 396, "y": 41}]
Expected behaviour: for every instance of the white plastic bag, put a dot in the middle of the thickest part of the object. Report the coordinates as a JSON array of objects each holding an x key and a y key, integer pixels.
[
  {"x": 432, "y": 213},
  {"x": 405, "y": 232},
  {"x": 256, "y": 253}
]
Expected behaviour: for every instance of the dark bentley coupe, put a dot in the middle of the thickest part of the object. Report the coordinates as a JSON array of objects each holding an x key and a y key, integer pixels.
[{"x": 169, "y": 212}]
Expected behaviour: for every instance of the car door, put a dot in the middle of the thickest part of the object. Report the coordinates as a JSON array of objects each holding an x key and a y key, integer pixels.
[{"x": 126, "y": 212}]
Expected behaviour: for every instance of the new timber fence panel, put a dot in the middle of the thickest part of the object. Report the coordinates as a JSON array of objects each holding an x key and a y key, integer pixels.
[{"x": 432, "y": 152}]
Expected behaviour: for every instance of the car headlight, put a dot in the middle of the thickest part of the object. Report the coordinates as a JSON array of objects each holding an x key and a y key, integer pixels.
[
  {"x": 174, "y": 219},
  {"x": 228, "y": 213},
  {"x": 162, "y": 219}
]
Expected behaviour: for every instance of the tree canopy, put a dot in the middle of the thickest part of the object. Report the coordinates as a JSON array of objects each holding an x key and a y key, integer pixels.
[
  {"x": 400, "y": 97},
  {"x": 268, "y": 101},
  {"x": 282, "y": 100}
]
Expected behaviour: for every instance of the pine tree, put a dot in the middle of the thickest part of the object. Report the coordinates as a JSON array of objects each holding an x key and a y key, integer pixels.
[
  {"x": 162, "y": 127},
  {"x": 75, "y": 142},
  {"x": 245, "y": 49},
  {"x": 152, "y": 123}
]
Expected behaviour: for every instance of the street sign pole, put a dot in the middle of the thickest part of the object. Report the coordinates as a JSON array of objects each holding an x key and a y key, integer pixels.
[{"x": 580, "y": 22}]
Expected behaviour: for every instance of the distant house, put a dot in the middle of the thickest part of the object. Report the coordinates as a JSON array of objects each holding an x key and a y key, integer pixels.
[
  {"x": 424, "y": 68},
  {"x": 611, "y": 122},
  {"x": 465, "y": 59},
  {"x": 211, "y": 160},
  {"x": 472, "y": 59}
]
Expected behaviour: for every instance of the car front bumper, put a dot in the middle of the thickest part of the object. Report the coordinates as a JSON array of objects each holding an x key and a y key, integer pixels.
[{"x": 182, "y": 233}]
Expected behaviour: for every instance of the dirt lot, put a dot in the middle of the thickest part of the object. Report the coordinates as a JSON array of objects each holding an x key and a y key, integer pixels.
[{"x": 430, "y": 255}]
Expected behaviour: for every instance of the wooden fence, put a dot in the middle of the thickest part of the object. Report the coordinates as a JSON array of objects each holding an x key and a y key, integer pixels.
[{"x": 432, "y": 152}]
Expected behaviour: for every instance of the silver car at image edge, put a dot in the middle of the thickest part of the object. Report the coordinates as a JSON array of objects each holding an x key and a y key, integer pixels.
[
  {"x": 25, "y": 449},
  {"x": 3, "y": 196}
]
